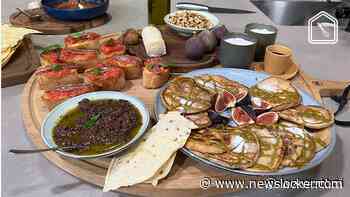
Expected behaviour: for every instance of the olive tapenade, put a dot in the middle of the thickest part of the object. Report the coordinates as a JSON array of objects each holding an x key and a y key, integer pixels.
[{"x": 97, "y": 126}]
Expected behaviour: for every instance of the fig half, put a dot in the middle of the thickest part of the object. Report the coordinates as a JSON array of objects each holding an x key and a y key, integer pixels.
[
  {"x": 241, "y": 117},
  {"x": 267, "y": 118},
  {"x": 260, "y": 105},
  {"x": 224, "y": 100}
]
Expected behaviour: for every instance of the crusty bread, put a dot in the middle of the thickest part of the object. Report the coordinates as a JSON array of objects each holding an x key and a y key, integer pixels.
[
  {"x": 88, "y": 44},
  {"x": 51, "y": 101},
  {"x": 275, "y": 86},
  {"x": 47, "y": 83},
  {"x": 105, "y": 38},
  {"x": 153, "y": 80},
  {"x": 116, "y": 82}
]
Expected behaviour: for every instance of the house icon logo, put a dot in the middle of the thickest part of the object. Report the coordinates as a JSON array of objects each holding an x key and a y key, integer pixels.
[{"x": 323, "y": 29}]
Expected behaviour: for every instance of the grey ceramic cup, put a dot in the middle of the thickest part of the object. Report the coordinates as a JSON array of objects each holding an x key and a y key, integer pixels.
[
  {"x": 264, "y": 39},
  {"x": 237, "y": 55}
]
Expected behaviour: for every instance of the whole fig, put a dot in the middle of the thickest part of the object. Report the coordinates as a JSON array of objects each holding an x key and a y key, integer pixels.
[
  {"x": 209, "y": 40},
  {"x": 194, "y": 48},
  {"x": 131, "y": 37},
  {"x": 220, "y": 32}
]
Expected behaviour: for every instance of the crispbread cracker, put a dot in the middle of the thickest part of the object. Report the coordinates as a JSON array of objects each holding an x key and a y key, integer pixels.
[
  {"x": 162, "y": 172},
  {"x": 153, "y": 151}
]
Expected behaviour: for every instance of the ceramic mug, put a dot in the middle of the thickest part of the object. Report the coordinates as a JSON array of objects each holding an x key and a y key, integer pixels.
[{"x": 278, "y": 58}]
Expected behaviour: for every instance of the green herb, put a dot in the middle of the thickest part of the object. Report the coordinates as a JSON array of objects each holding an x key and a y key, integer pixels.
[
  {"x": 76, "y": 35},
  {"x": 167, "y": 65},
  {"x": 92, "y": 121},
  {"x": 110, "y": 42},
  {"x": 56, "y": 67},
  {"x": 50, "y": 48},
  {"x": 96, "y": 71}
]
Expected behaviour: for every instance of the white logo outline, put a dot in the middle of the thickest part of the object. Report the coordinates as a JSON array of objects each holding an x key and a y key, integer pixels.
[{"x": 335, "y": 28}]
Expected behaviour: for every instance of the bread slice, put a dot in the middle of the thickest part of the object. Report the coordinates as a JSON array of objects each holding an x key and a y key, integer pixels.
[
  {"x": 58, "y": 95},
  {"x": 131, "y": 65},
  {"x": 86, "y": 40},
  {"x": 87, "y": 58},
  {"x": 50, "y": 78},
  {"x": 105, "y": 38},
  {"x": 279, "y": 93}
]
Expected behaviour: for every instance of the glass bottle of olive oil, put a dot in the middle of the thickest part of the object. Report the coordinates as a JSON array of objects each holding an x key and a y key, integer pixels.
[{"x": 157, "y": 9}]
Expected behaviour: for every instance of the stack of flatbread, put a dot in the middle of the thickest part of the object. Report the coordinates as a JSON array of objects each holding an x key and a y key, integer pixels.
[
  {"x": 11, "y": 39},
  {"x": 152, "y": 159}
]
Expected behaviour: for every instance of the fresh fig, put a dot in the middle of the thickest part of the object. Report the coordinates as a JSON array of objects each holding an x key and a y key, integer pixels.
[
  {"x": 259, "y": 104},
  {"x": 220, "y": 32},
  {"x": 267, "y": 118},
  {"x": 209, "y": 40},
  {"x": 224, "y": 100},
  {"x": 241, "y": 117},
  {"x": 194, "y": 48},
  {"x": 131, "y": 37}
]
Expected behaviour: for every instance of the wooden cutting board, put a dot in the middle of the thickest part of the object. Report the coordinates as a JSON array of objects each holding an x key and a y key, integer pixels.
[
  {"x": 186, "y": 173},
  {"x": 50, "y": 25},
  {"x": 175, "y": 46},
  {"x": 21, "y": 65}
]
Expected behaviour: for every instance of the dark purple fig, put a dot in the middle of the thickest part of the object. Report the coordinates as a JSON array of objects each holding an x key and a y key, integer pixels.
[
  {"x": 216, "y": 118},
  {"x": 209, "y": 40},
  {"x": 194, "y": 48},
  {"x": 267, "y": 118},
  {"x": 220, "y": 32},
  {"x": 224, "y": 100},
  {"x": 241, "y": 117}
]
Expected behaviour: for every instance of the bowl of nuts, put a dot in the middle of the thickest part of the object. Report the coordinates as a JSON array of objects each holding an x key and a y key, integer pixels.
[{"x": 188, "y": 22}]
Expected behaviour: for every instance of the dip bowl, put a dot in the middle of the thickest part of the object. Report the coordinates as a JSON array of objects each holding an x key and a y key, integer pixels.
[{"x": 59, "y": 111}]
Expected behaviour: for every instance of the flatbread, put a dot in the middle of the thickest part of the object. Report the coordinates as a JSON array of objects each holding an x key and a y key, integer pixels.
[
  {"x": 162, "y": 172},
  {"x": 154, "y": 150},
  {"x": 10, "y": 35},
  {"x": 11, "y": 39}
]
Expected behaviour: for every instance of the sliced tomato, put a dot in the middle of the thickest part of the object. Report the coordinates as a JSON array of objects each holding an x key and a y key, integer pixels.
[
  {"x": 110, "y": 48},
  {"x": 73, "y": 54},
  {"x": 83, "y": 37},
  {"x": 68, "y": 91}
]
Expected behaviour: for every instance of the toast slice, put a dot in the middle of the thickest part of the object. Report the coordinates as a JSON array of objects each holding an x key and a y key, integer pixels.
[{"x": 279, "y": 93}]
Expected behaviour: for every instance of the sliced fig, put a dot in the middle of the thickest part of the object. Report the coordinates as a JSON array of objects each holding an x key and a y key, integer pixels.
[
  {"x": 267, "y": 118},
  {"x": 224, "y": 100},
  {"x": 259, "y": 104},
  {"x": 241, "y": 117},
  {"x": 241, "y": 95}
]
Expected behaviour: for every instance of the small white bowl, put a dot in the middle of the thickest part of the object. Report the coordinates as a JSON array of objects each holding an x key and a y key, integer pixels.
[
  {"x": 54, "y": 116},
  {"x": 186, "y": 31}
]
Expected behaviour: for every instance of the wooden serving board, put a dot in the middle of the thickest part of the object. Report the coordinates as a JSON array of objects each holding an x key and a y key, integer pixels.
[
  {"x": 21, "y": 65},
  {"x": 50, "y": 25},
  {"x": 185, "y": 175},
  {"x": 175, "y": 46}
]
